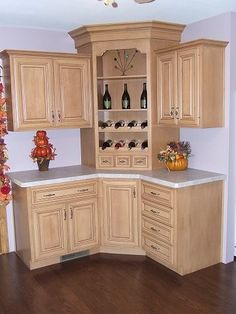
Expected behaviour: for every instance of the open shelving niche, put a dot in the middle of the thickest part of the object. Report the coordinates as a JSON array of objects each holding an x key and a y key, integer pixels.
[{"x": 115, "y": 68}]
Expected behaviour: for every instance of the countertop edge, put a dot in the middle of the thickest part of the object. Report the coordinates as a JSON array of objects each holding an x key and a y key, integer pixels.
[{"x": 101, "y": 175}]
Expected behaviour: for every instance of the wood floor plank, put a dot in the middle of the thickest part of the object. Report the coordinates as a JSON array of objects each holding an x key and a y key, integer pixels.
[{"x": 114, "y": 284}]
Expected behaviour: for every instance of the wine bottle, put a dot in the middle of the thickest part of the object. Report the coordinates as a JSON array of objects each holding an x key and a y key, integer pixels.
[
  {"x": 144, "y": 124},
  {"x": 106, "y": 144},
  {"x": 106, "y": 124},
  {"x": 144, "y": 144},
  {"x": 119, "y": 124},
  {"x": 132, "y": 123},
  {"x": 143, "y": 98},
  {"x": 132, "y": 144},
  {"x": 125, "y": 98},
  {"x": 120, "y": 144},
  {"x": 106, "y": 98}
]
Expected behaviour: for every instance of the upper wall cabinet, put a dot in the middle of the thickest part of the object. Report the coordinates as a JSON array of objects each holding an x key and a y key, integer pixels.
[
  {"x": 47, "y": 90},
  {"x": 190, "y": 84}
]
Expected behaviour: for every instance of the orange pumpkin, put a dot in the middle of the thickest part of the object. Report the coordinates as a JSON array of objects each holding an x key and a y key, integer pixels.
[{"x": 177, "y": 165}]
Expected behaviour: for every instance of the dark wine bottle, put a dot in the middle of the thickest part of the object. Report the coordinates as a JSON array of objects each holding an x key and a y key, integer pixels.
[
  {"x": 132, "y": 123},
  {"x": 143, "y": 98},
  {"x": 144, "y": 144},
  {"x": 106, "y": 124},
  {"x": 106, "y": 144},
  {"x": 125, "y": 98},
  {"x": 120, "y": 144},
  {"x": 144, "y": 124},
  {"x": 106, "y": 98},
  {"x": 119, "y": 124},
  {"x": 132, "y": 144}
]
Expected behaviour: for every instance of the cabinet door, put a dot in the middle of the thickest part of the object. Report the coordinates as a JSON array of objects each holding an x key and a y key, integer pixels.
[
  {"x": 188, "y": 87},
  {"x": 73, "y": 92},
  {"x": 120, "y": 217},
  {"x": 83, "y": 225},
  {"x": 166, "y": 87},
  {"x": 50, "y": 231},
  {"x": 32, "y": 96}
]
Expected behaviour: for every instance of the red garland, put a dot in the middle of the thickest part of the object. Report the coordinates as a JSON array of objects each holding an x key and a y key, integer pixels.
[{"x": 5, "y": 188}]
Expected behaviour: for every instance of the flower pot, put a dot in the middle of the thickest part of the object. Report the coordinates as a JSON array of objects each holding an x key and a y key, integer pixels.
[
  {"x": 177, "y": 165},
  {"x": 43, "y": 164}
]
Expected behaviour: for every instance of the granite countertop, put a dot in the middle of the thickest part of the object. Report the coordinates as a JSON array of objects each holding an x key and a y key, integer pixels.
[{"x": 174, "y": 179}]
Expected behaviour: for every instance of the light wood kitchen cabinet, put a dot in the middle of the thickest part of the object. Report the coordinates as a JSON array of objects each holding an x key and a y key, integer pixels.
[
  {"x": 190, "y": 84},
  {"x": 181, "y": 228},
  {"x": 120, "y": 213},
  {"x": 47, "y": 90},
  {"x": 55, "y": 220}
]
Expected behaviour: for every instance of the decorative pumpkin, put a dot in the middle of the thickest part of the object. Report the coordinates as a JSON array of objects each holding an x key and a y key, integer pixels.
[{"x": 177, "y": 165}]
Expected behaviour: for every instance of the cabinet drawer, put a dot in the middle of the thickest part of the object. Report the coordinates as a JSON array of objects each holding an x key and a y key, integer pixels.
[
  {"x": 64, "y": 192},
  {"x": 161, "y": 251},
  {"x": 140, "y": 161},
  {"x": 123, "y": 161},
  {"x": 105, "y": 161},
  {"x": 158, "y": 212},
  {"x": 160, "y": 231},
  {"x": 159, "y": 194}
]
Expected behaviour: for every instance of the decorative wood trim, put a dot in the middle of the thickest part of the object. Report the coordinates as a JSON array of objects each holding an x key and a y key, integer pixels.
[{"x": 3, "y": 231}]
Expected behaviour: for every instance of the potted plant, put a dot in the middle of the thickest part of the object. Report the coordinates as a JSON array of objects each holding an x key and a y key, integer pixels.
[
  {"x": 176, "y": 155},
  {"x": 43, "y": 152}
]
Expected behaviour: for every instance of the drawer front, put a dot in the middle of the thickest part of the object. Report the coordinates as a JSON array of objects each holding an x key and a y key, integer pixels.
[
  {"x": 106, "y": 161},
  {"x": 159, "y": 194},
  {"x": 140, "y": 161},
  {"x": 161, "y": 232},
  {"x": 161, "y": 251},
  {"x": 123, "y": 161},
  {"x": 64, "y": 192},
  {"x": 157, "y": 212}
]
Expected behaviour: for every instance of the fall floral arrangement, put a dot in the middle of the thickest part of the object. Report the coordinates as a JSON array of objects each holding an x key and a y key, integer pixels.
[
  {"x": 176, "y": 153},
  {"x": 5, "y": 188},
  {"x": 44, "y": 151}
]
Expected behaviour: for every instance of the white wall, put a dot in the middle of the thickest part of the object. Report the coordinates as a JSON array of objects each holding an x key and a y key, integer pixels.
[
  {"x": 19, "y": 144},
  {"x": 217, "y": 145}
]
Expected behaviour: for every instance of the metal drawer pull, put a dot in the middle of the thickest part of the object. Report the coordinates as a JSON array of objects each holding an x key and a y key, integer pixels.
[
  {"x": 155, "y": 212},
  {"x": 49, "y": 195},
  {"x": 105, "y": 161},
  {"x": 155, "y": 248},
  {"x": 122, "y": 161},
  {"x": 154, "y": 193},
  {"x": 140, "y": 162},
  {"x": 83, "y": 190}
]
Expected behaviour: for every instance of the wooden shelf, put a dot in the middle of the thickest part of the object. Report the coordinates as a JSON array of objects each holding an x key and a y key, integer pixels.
[
  {"x": 123, "y": 150},
  {"x": 122, "y": 110},
  {"x": 122, "y": 77},
  {"x": 123, "y": 130}
]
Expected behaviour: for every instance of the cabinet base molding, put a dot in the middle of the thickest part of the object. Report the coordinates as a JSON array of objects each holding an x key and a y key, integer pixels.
[{"x": 122, "y": 250}]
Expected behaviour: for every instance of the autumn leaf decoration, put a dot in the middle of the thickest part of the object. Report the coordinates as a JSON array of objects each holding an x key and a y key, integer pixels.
[{"x": 5, "y": 188}]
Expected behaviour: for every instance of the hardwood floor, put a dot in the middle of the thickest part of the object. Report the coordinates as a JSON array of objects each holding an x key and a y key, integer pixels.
[{"x": 114, "y": 284}]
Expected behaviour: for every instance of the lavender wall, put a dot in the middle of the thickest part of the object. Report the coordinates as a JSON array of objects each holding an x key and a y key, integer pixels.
[
  {"x": 67, "y": 142},
  {"x": 218, "y": 144}
]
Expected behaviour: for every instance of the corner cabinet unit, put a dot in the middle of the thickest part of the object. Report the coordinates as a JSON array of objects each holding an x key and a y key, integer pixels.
[
  {"x": 55, "y": 220},
  {"x": 120, "y": 214},
  {"x": 125, "y": 54},
  {"x": 181, "y": 228},
  {"x": 190, "y": 84},
  {"x": 47, "y": 90}
]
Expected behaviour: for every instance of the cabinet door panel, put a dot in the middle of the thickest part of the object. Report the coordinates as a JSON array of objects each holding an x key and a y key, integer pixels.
[
  {"x": 120, "y": 213},
  {"x": 50, "y": 234},
  {"x": 73, "y": 92},
  {"x": 83, "y": 225},
  {"x": 188, "y": 87},
  {"x": 166, "y": 87},
  {"x": 32, "y": 93}
]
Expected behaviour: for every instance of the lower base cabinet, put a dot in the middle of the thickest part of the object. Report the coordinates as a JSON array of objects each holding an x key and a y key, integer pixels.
[
  {"x": 120, "y": 213},
  {"x": 179, "y": 228}
]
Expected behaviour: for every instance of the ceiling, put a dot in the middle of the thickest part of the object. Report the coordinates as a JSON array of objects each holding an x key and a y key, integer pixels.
[{"x": 69, "y": 14}]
